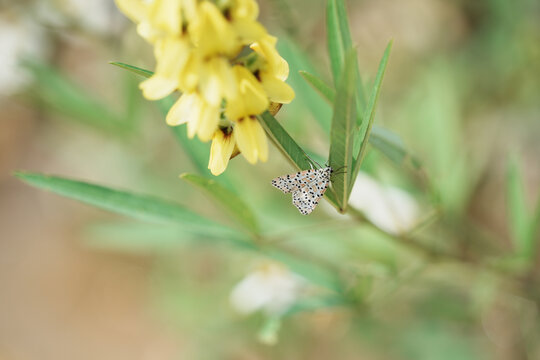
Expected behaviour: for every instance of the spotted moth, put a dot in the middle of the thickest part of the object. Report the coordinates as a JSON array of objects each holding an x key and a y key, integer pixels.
[{"x": 307, "y": 187}]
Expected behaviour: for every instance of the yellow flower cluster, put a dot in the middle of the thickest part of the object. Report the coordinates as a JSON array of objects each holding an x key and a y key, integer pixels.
[{"x": 223, "y": 62}]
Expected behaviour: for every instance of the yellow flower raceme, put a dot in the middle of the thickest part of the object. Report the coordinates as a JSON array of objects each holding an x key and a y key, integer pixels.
[{"x": 200, "y": 50}]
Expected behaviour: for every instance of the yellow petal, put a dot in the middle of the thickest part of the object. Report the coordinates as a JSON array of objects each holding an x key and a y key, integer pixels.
[
  {"x": 220, "y": 152},
  {"x": 165, "y": 15},
  {"x": 249, "y": 31},
  {"x": 217, "y": 81},
  {"x": 189, "y": 109},
  {"x": 185, "y": 108},
  {"x": 212, "y": 33},
  {"x": 245, "y": 9},
  {"x": 276, "y": 64},
  {"x": 251, "y": 98},
  {"x": 208, "y": 123},
  {"x": 157, "y": 87},
  {"x": 226, "y": 77},
  {"x": 190, "y": 74},
  {"x": 277, "y": 90},
  {"x": 251, "y": 140},
  {"x": 189, "y": 8},
  {"x": 171, "y": 55}
]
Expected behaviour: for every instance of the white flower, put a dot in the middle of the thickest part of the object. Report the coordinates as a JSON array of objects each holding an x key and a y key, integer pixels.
[
  {"x": 270, "y": 287},
  {"x": 389, "y": 208}
]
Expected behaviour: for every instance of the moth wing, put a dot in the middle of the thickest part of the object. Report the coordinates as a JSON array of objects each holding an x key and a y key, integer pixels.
[
  {"x": 308, "y": 197},
  {"x": 293, "y": 182}
]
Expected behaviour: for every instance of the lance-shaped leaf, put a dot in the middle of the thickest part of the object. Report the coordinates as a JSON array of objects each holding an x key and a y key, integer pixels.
[
  {"x": 134, "y": 69},
  {"x": 142, "y": 207},
  {"x": 231, "y": 203},
  {"x": 361, "y": 141},
  {"x": 341, "y": 133},
  {"x": 339, "y": 40},
  {"x": 284, "y": 142}
]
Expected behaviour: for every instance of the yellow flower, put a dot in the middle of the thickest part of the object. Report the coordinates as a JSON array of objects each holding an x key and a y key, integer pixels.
[{"x": 222, "y": 148}]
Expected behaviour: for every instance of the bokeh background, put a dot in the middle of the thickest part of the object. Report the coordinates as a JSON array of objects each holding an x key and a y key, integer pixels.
[{"x": 462, "y": 90}]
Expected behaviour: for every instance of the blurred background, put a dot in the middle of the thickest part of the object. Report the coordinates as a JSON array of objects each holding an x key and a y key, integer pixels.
[{"x": 462, "y": 91}]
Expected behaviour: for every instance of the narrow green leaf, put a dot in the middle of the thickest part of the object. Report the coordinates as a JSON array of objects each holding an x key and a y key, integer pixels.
[
  {"x": 284, "y": 142},
  {"x": 336, "y": 48},
  {"x": 318, "y": 84},
  {"x": 134, "y": 69},
  {"x": 518, "y": 216},
  {"x": 339, "y": 39},
  {"x": 233, "y": 205},
  {"x": 138, "y": 206},
  {"x": 360, "y": 143},
  {"x": 341, "y": 134}
]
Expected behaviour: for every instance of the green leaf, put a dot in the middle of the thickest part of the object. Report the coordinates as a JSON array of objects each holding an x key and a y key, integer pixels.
[
  {"x": 58, "y": 92},
  {"x": 233, "y": 205},
  {"x": 318, "y": 84},
  {"x": 361, "y": 141},
  {"x": 338, "y": 36},
  {"x": 339, "y": 40},
  {"x": 138, "y": 206},
  {"x": 134, "y": 69},
  {"x": 284, "y": 142},
  {"x": 341, "y": 135},
  {"x": 518, "y": 215}
]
